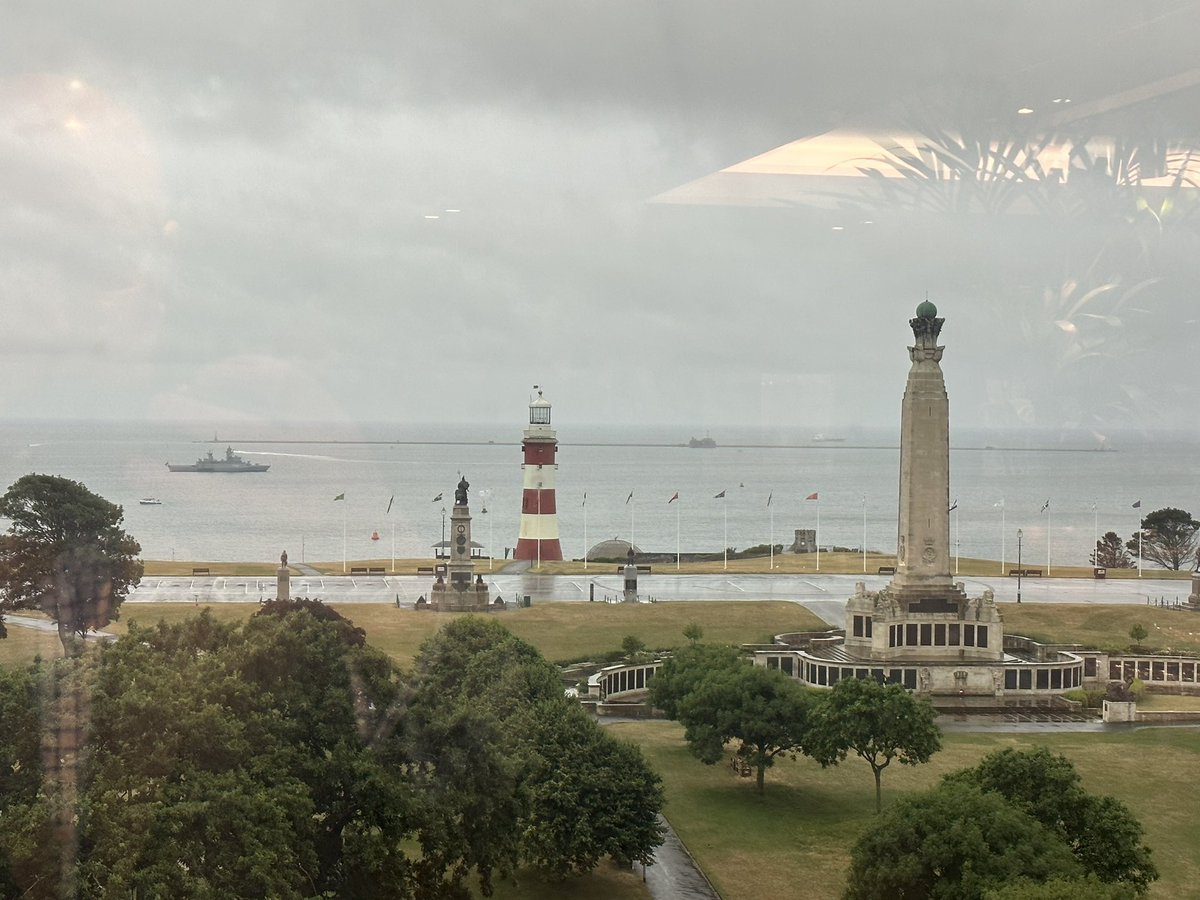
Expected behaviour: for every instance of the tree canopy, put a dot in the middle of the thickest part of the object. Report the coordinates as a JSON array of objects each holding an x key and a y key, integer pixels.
[
  {"x": 955, "y": 842},
  {"x": 1168, "y": 537},
  {"x": 66, "y": 554},
  {"x": 879, "y": 722},
  {"x": 1100, "y": 831},
  {"x": 520, "y": 774},
  {"x": 719, "y": 696},
  {"x": 1111, "y": 553},
  {"x": 285, "y": 757}
]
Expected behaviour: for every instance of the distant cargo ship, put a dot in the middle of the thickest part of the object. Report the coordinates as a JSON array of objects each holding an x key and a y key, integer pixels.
[
  {"x": 825, "y": 439},
  {"x": 706, "y": 442},
  {"x": 231, "y": 463}
]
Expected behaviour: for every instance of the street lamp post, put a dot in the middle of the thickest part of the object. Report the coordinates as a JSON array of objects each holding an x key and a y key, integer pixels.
[{"x": 1019, "y": 571}]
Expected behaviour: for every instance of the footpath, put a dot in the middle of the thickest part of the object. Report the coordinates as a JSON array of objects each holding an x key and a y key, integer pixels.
[{"x": 675, "y": 875}]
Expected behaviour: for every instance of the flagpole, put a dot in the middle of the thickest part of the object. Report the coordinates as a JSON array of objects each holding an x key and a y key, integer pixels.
[
  {"x": 864, "y": 533},
  {"x": 772, "y": 513},
  {"x": 725, "y": 508},
  {"x": 1047, "y": 539},
  {"x": 818, "y": 532},
  {"x": 393, "y": 548},
  {"x": 343, "y": 537},
  {"x": 1095, "y": 535},
  {"x": 631, "y": 509},
  {"x": 585, "y": 543},
  {"x": 1003, "y": 526},
  {"x": 957, "y": 544},
  {"x": 677, "y": 538}
]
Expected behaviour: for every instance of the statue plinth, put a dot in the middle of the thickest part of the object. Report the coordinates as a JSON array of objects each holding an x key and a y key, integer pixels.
[{"x": 460, "y": 590}]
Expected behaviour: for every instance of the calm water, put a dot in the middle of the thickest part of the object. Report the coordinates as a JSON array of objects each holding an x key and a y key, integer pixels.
[{"x": 255, "y": 516}]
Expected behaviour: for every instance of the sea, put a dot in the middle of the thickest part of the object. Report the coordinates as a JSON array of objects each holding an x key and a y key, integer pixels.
[{"x": 1060, "y": 489}]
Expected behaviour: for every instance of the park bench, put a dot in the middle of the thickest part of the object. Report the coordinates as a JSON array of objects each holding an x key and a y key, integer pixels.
[
  {"x": 424, "y": 570},
  {"x": 740, "y": 766},
  {"x": 200, "y": 570},
  {"x": 887, "y": 570},
  {"x": 1025, "y": 573},
  {"x": 358, "y": 570},
  {"x": 376, "y": 570},
  {"x": 642, "y": 570}
]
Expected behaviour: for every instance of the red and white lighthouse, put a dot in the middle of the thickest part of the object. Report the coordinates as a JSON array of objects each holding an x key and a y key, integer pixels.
[{"x": 538, "y": 539}]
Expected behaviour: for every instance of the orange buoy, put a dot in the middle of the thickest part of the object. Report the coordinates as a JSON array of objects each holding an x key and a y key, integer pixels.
[{"x": 374, "y": 535}]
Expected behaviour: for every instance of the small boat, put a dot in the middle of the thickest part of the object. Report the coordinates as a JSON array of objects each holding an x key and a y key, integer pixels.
[
  {"x": 150, "y": 501},
  {"x": 826, "y": 439}
]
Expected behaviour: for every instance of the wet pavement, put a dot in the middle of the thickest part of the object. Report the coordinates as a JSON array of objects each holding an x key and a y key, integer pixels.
[
  {"x": 824, "y": 595},
  {"x": 675, "y": 875}
]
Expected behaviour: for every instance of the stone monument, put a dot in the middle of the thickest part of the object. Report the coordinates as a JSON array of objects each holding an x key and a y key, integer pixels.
[
  {"x": 921, "y": 630},
  {"x": 283, "y": 579},
  {"x": 630, "y": 594},
  {"x": 460, "y": 591},
  {"x": 923, "y": 614}
]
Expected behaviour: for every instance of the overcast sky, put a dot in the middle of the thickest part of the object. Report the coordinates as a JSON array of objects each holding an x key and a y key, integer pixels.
[{"x": 221, "y": 212}]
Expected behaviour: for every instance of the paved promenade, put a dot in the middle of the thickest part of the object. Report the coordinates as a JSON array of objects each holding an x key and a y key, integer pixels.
[
  {"x": 824, "y": 595},
  {"x": 384, "y": 588}
]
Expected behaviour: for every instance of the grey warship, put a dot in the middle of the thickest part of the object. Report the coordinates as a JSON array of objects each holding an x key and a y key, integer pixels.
[{"x": 209, "y": 463}]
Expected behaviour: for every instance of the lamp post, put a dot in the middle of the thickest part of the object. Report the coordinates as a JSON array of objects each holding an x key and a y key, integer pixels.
[
  {"x": 443, "y": 549},
  {"x": 1019, "y": 571}
]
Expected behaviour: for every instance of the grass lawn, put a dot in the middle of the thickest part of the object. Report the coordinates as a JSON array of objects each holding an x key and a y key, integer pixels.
[
  {"x": 843, "y": 564},
  {"x": 165, "y": 568},
  {"x": 1095, "y": 625},
  {"x": 605, "y": 882},
  {"x": 23, "y": 644},
  {"x": 803, "y": 827},
  {"x": 561, "y": 631}
]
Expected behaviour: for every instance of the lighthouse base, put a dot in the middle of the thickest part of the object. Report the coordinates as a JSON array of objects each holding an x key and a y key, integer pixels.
[{"x": 527, "y": 548}]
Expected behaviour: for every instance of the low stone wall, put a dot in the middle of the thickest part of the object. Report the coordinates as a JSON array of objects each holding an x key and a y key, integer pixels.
[{"x": 1167, "y": 717}]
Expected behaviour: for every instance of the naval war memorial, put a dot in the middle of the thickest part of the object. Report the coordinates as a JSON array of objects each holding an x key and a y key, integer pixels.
[{"x": 922, "y": 630}]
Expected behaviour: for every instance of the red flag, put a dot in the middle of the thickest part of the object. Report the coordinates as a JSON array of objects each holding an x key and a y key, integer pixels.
[
  {"x": 812, "y": 496},
  {"x": 674, "y": 497}
]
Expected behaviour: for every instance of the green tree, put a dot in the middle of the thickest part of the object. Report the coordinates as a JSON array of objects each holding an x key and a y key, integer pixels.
[
  {"x": 66, "y": 554},
  {"x": 718, "y": 697},
  {"x": 187, "y": 789},
  {"x": 27, "y": 842},
  {"x": 510, "y": 770},
  {"x": 1101, "y": 832},
  {"x": 1168, "y": 537},
  {"x": 247, "y": 761},
  {"x": 1060, "y": 888},
  {"x": 632, "y": 645},
  {"x": 1138, "y": 633},
  {"x": 686, "y": 668},
  {"x": 955, "y": 842},
  {"x": 590, "y": 795},
  {"x": 879, "y": 722},
  {"x": 693, "y": 631},
  {"x": 1110, "y": 553}
]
